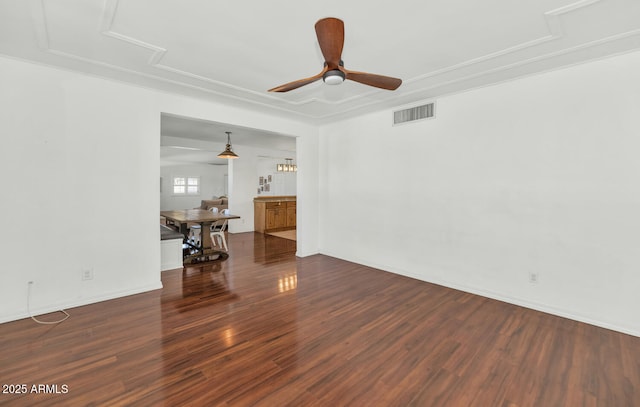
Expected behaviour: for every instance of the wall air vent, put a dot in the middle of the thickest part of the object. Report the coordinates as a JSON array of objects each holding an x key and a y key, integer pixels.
[{"x": 414, "y": 113}]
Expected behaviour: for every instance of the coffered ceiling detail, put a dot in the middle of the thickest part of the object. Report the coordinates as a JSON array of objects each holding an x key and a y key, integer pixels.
[{"x": 235, "y": 51}]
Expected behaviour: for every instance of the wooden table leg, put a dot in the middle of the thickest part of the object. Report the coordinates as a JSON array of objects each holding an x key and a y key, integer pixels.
[
  {"x": 205, "y": 238},
  {"x": 184, "y": 230}
]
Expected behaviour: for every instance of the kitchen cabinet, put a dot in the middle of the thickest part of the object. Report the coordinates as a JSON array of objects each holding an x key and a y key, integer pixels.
[{"x": 274, "y": 213}]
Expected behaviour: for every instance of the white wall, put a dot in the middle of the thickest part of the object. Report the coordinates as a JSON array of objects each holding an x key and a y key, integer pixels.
[
  {"x": 282, "y": 183},
  {"x": 212, "y": 183},
  {"x": 539, "y": 175},
  {"x": 78, "y": 153},
  {"x": 307, "y": 197},
  {"x": 83, "y": 158}
]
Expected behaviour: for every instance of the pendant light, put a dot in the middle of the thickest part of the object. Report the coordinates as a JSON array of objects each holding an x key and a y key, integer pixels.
[
  {"x": 289, "y": 166},
  {"x": 228, "y": 152}
]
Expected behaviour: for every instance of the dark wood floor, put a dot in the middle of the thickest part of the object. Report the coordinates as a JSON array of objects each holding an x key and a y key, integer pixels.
[{"x": 266, "y": 328}]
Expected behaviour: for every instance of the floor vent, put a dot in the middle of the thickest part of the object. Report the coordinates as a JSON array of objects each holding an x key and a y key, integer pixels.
[{"x": 413, "y": 113}]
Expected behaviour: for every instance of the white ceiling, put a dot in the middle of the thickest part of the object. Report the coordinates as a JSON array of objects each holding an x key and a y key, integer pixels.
[
  {"x": 234, "y": 51},
  {"x": 187, "y": 141}
]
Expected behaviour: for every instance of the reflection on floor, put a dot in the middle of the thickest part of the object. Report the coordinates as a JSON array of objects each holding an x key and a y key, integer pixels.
[
  {"x": 206, "y": 284},
  {"x": 285, "y": 234}
]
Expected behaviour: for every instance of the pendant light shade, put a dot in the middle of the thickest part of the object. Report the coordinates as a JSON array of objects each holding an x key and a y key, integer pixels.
[{"x": 228, "y": 151}]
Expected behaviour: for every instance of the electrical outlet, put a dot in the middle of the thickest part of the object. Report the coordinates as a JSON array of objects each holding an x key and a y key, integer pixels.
[
  {"x": 87, "y": 274},
  {"x": 533, "y": 278}
]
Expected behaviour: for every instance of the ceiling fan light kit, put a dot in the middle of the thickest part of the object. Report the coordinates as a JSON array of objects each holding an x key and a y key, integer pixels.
[
  {"x": 333, "y": 77},
  {"x": 330, "y": 33}
]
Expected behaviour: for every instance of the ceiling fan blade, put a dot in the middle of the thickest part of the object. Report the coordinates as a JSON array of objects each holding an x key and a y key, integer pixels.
[
  {"x": 330, "y": 33},
  {"x": 300, "y": 82},
  {"x": 378, "y": 81}
]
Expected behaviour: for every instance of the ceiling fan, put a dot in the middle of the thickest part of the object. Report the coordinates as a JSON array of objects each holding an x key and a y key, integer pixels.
[{"x": 330, "y": 33}]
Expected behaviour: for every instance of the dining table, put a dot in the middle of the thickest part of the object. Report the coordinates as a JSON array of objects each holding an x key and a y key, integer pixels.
[{"x": 181, "y": 218}]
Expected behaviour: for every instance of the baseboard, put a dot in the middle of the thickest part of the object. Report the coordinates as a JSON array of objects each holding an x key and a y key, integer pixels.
[
  {"x": 80, "y": 302},
  {"x": 497, "y": 296},
  {"x": 306, "y": 254},
  {"x": 171, "y": 266}
]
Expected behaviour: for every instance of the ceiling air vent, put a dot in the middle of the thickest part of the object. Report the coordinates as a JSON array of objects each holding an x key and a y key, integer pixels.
[{"x": 413, "y": 113}]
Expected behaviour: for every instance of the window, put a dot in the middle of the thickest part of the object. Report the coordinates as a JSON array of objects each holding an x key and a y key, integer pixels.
[{"x": 186, "y": 185}]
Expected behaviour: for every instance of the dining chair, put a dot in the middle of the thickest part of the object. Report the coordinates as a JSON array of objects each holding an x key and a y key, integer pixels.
[
  {"x": 194, "y": 231},
  {"x": 217, "y": 234}
]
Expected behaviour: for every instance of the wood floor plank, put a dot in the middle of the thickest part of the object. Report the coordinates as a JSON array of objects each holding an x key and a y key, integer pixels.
[{"x": 265, "y": 328}]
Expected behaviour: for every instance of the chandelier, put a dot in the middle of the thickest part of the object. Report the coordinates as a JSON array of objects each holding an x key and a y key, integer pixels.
[{"x": 289, "y": 166}]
